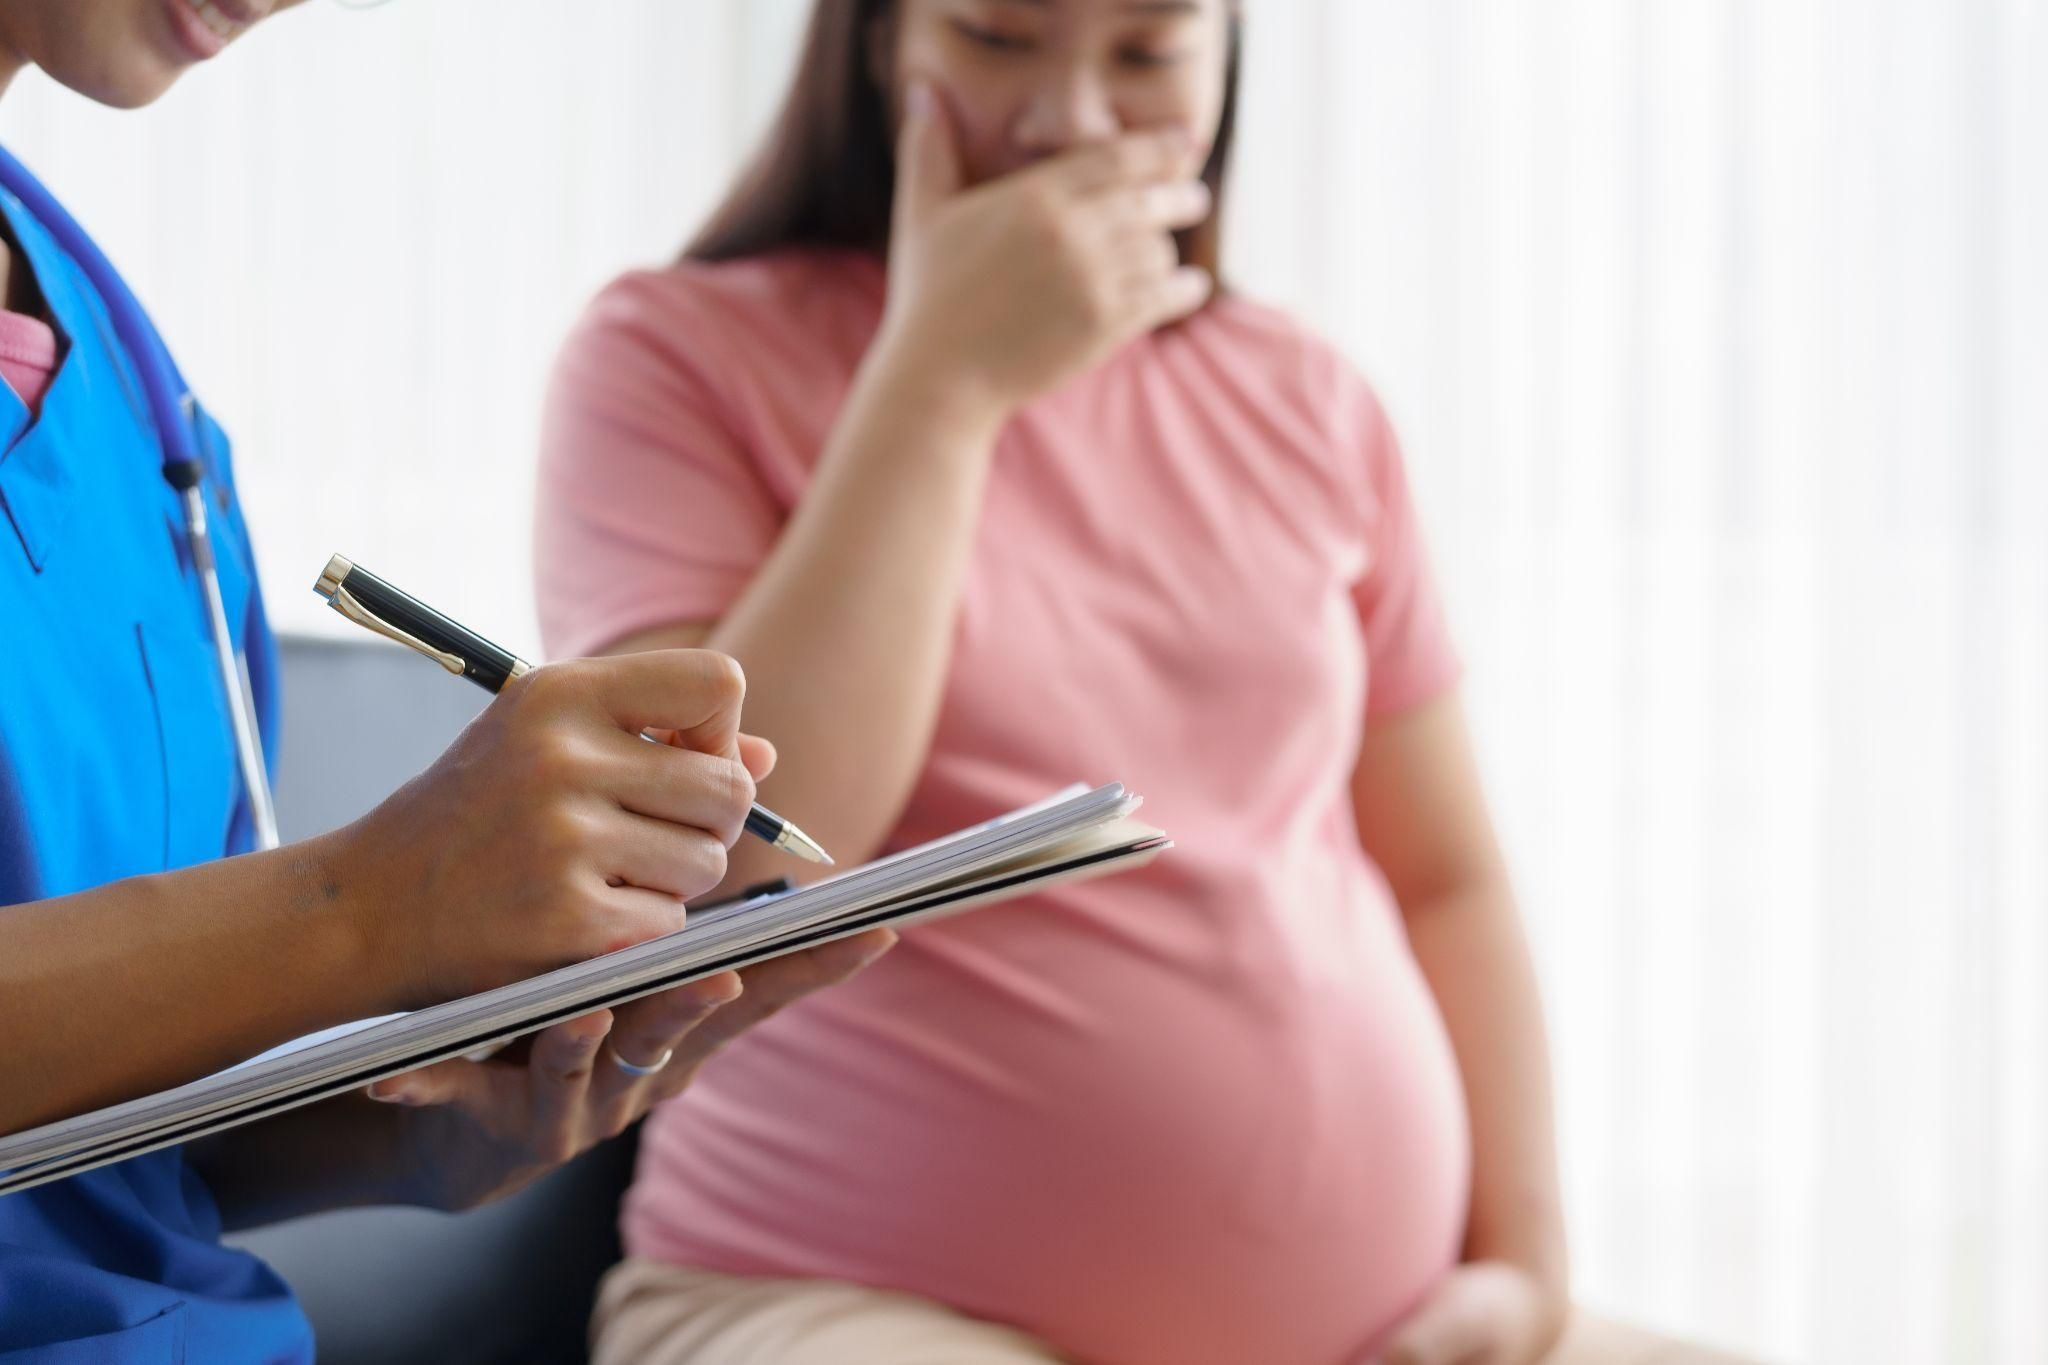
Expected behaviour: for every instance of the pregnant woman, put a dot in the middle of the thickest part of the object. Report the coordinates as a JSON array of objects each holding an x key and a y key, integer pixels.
[{"x": 943, "y": 423}]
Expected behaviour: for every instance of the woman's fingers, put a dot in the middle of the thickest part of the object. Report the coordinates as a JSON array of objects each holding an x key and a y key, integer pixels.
[
  {"x": 1159, "y": 154},
  {"x": 1167, "y": 298},
  {"x": 1448, "y": 1329},
  {"x": 1145, "y": 258},
  {"x": 928, "y": 171},
  {"x": 1156, "y": 208}
]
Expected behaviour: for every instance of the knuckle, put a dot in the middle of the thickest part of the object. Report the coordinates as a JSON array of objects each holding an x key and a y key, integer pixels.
[
  {"x": 1101, "y": 306},
  {"x": 656, "y": 923},
  {"x": 556, "y": 759},
  {"x": 723, "y": 676},
  {"x": 598, "y": 926},
  {"x": 737, "y": 788},
  {"x": 552, "y": 686},
  {"x": 706, "y": 867},
  {"x": 1046, "y": 219},
  {"x": 1048, "y": 238},
  {"x": 564, "y": 832}
]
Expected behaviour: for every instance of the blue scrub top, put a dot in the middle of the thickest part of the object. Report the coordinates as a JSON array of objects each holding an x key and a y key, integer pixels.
[{"x": 116, "y": 759}]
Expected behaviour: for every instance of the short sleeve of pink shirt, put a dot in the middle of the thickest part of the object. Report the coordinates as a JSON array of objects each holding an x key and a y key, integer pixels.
[
  {"x": 1406, "y": 638},
  {"x": 654, "y": 510},
  {"x": 1218, "y": 1083}
]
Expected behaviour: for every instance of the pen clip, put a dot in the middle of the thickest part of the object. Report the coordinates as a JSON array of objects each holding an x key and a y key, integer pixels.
[{"x": 343, "y": 601}]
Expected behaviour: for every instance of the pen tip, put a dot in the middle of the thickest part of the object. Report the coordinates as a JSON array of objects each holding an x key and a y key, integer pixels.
[{"x": 805, "y": 847}]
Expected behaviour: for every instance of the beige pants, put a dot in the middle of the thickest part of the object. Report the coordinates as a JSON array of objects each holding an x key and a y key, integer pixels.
[{"x": 649, "y": 1313}]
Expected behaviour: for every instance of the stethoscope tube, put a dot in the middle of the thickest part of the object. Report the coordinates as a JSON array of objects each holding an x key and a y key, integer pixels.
[
  {"x": 172, "y": 411},
  {"x": 234, "y": 673}
]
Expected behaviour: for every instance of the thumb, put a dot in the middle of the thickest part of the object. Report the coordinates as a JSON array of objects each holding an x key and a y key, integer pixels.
[
  {"x": 927, "y": 161},
  {"x": 454, "y": 1081},
  {"x": 758, "y": 754}
]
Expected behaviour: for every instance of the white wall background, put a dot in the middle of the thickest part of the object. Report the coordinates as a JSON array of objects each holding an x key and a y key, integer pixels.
[{"x": 1718, "y": 330}]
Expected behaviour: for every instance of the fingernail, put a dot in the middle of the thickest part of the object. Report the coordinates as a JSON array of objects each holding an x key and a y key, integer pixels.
[
  {"x": 878, "y": 950},
  {"x": 918, "y": 100},
  {"x": 382, "y": 1094},
  {"x": 720, "y": 990}
]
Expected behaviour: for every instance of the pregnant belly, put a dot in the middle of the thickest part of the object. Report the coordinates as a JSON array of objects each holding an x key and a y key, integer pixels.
[{"x": 1138, "y": 1161}]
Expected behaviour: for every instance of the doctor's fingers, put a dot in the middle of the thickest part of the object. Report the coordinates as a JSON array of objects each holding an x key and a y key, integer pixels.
[
  {"x": 565, "y": 1058},
  {"x": 695, "y": 693},
  {"x": 651, "y": 1032},
  {"x": 673, "y": 861},
  {"x": 500, "y": 1091},
  {"x": 770, "y": 987},
  {"x": 708, "y": 792}
]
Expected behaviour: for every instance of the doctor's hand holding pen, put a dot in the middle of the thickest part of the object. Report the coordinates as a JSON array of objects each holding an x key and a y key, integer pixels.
[{"x": 549, "y": 832}]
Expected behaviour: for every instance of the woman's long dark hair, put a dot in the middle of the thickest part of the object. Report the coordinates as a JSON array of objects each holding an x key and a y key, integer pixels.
[{"x": 827, "y": 174}]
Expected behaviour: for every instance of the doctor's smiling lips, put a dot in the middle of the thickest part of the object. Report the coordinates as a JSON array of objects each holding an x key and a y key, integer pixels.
[{"x": 204, "y": 28}]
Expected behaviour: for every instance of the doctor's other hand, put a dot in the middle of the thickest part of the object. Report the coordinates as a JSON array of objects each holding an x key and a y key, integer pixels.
[
  {"x": 550, "y": 832},
  {"x": 471, "y": 1132},
  {"x": 1008, "y": 287}
]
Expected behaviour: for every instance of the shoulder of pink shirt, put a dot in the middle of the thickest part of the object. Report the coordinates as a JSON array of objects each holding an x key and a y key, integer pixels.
[{"x": 28, "y": 356}]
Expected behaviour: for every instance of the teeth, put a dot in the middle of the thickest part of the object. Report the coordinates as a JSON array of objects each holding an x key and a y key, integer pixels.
[{"x": 222, "y": 26}]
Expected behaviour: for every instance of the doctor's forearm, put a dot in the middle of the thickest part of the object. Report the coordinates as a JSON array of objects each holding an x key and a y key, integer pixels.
[{"x": 150, "y": 982}]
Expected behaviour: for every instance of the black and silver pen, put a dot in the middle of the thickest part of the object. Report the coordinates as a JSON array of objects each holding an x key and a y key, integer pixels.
[{"x": 372, "y": 603}]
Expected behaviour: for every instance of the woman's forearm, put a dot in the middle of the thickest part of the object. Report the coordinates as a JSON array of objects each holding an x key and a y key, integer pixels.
[
  {"x": 1470, "y": 946},
  {"x": 154, "y": 981},
  {"x": 846, "y": 631}
]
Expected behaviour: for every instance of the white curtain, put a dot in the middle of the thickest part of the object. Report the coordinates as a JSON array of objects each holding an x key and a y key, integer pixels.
[{"x": 1718, "y": 333}]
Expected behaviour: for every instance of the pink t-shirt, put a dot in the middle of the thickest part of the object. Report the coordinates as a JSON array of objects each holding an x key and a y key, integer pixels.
[
  {"x": 28, "y": 357},
  {"x": 1204, "y": 1113}
]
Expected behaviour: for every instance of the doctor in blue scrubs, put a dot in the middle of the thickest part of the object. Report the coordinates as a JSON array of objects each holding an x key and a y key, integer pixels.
[{"x": 143, "y": 944}]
